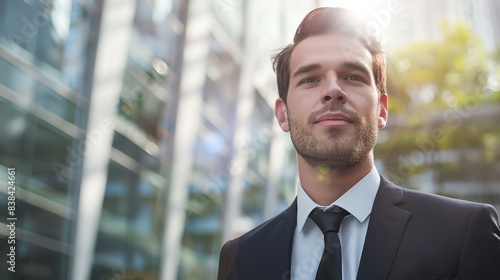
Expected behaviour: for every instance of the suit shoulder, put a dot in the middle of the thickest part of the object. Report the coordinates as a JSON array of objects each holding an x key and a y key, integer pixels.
[
  {"x": 439, "y": 204},
  {"x": 285, "y": 219},
  {"x": 440, "y": 200}
]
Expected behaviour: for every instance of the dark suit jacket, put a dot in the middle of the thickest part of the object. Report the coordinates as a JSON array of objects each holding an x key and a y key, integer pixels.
[{"x": 411, "y": 235}]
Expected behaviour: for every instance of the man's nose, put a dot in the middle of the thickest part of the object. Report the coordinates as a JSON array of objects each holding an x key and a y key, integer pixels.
[{"x": 333, "y": 92}]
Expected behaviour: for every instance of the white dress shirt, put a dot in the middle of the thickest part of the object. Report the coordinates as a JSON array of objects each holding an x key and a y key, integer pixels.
[{"x": 308, "y": 239}]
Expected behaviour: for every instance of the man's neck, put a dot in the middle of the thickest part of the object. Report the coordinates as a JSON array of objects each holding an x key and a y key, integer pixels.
[{"x": 325, "y": 186}]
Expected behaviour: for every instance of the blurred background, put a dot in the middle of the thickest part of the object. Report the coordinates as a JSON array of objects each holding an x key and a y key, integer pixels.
[{"x": 143, "y": 136}]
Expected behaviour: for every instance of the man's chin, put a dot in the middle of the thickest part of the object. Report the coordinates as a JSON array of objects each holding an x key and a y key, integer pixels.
[{"x": 331, "y": 158}]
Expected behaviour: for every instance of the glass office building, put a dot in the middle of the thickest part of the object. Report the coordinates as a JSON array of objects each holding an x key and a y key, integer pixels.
[
  {"x": 142, "y": 133},
  {"x": 122, "y": 121},
  {"x": 47, "y": 51}
]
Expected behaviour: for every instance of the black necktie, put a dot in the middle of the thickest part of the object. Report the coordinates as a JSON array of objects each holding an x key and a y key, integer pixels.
[{"x": 330, "y": 266}]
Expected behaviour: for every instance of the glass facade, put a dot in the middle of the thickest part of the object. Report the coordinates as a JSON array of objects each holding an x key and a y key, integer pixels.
[
  {"x": 46, "y": 49},
  {"x": 147, "y": 179},
  {"x": 48, "y": 53}
]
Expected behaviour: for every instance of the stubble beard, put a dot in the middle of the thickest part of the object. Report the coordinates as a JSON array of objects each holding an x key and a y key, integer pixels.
[{"x": 339, "y": 151}]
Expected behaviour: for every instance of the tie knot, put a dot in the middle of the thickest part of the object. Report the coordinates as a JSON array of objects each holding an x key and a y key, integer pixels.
[{"x": 329, "y": 220}]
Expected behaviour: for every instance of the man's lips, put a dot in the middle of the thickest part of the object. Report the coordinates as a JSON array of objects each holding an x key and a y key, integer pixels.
[{"x": 333, "y": 119}]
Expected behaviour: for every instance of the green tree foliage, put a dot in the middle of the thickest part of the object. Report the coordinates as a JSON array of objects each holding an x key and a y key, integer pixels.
[
  {"x": 434, "y": 75},
  {"x": 444, "y": 108}
]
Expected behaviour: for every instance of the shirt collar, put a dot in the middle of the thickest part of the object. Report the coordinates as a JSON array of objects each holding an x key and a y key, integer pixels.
[{"x": 358, "y": 200}]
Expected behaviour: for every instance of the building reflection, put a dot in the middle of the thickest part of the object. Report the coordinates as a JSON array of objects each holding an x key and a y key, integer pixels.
[{"x": 142, "y": 133}]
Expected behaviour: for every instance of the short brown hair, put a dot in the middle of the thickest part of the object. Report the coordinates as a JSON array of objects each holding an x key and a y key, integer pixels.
[{"x": 328, "y": 20}]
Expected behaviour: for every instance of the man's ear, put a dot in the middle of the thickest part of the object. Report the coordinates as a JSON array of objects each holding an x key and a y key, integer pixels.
[
  {"x": 383, "y": 110},
  {"x": 280, "y": 111}
]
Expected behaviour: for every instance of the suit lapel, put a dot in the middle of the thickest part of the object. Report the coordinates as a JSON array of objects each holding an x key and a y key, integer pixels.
[
  {"x": 268, "y": 249},
  {"x": 281, "y": 242},
  {"x": 385, "y": 230}
]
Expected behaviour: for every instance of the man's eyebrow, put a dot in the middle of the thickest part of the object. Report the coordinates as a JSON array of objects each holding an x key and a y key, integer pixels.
[
  {"x": 306, "y": 68},
  {"x": 358, "y": 67},
  {"x": 315, "y": 66}
]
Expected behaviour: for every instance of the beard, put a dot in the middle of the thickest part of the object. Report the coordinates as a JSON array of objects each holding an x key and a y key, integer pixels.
[{"x": 339, "y": 150}]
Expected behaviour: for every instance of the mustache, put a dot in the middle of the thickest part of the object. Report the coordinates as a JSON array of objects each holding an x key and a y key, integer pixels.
[{"x": 353, "y": 116}]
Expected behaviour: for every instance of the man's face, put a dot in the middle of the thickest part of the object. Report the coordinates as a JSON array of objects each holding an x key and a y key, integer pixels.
[{"x": 333, "y": 109}]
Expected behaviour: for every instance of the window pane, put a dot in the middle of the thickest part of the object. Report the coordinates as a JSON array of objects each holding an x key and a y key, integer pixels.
[
  {"x": 141, "y": 107},
  {"x": 35, "y": 262},
  {"x": 57, "y": 36},
  {"x": 122, "y": 259},
  {"x": 55, "y": 103},
  {"x": 131, "y": 226},
  {"x": 130, "y": 203},
  {"x": 132, "y": 150},
  {"x": 37, "y": 220},
  {"x": 54, "y": 163},
  {"x": 15, "y": 79},
  {"x": 14, "y": 124}
]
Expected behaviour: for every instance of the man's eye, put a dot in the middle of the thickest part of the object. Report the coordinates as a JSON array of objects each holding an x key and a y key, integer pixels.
[
  {"x": 355, "y": 78},
  {"x": 309, "y": 80}
]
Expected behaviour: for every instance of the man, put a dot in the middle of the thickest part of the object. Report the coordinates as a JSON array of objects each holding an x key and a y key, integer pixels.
[{"x": 332, "y": 100}]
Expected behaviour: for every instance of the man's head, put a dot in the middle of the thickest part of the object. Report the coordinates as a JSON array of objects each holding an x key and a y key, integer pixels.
[
  {"x": 332, "y": 90},
  {"x": 330, "y": 21}
]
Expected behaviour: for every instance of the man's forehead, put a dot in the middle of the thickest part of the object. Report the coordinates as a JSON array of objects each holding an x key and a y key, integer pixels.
[{"x": 341, "y": 47}]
